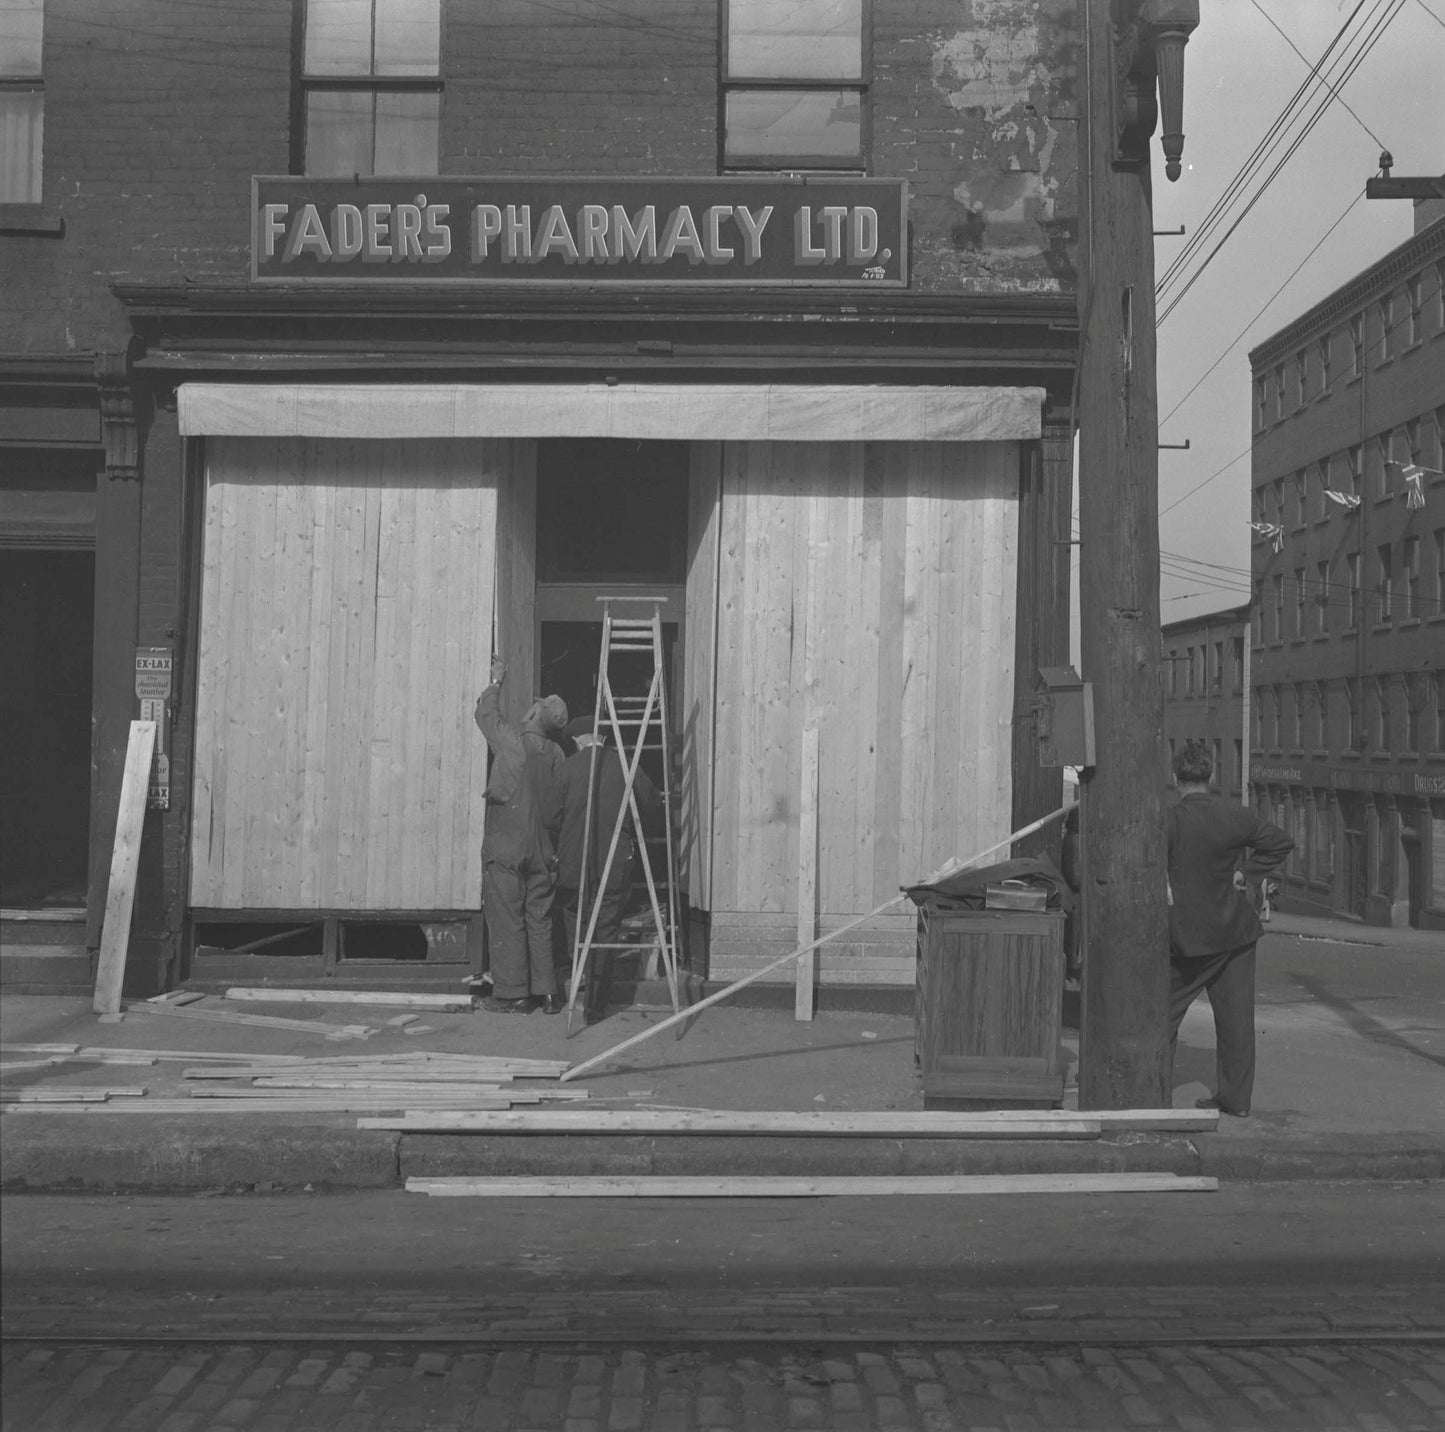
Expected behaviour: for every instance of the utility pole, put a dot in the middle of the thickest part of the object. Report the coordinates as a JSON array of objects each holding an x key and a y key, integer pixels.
[{"x": 1129, "y": 47}]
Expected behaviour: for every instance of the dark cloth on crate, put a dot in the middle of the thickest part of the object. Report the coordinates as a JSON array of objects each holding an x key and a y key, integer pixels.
[{"x": 517, "y": 852}]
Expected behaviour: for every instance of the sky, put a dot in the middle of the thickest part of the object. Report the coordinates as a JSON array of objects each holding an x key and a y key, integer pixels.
[{"x": 1239, "y": 74}]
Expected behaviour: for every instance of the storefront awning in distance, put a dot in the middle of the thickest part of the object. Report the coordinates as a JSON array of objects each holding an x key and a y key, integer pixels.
[{"x": 733, "y": 412}]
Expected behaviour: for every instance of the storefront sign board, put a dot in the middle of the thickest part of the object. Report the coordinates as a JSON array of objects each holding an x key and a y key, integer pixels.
[
  {"x": 1349, "y": 778},
  {"x": 707, "y": 231}
]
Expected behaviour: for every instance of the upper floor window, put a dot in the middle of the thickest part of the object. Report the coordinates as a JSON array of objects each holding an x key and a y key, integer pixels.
[
  {"x": 1326, "y": 353},
  {"x": 1238, "y": 663},
  {"x": 1357, "y": 345},
  {"x": 371, "y": 87},
  {"x": 1279, "y": 392},
  {"x": 1259, "y": 402},
  {"x": 794, "y": 84},
  {"x": 1387, "y": 328},
  {"x": 1384, "y": 587},
  {"x": 1410, "y": 571},
  {"x": 22, "y": 100},
  {"x": 1322, "y": 598},
  {"x": 1301, "y": 377},
  {"x": 1412, "y": 298}
]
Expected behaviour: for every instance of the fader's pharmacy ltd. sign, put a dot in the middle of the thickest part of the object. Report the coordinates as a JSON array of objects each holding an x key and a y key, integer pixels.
[{"x": 571, "y": 231}]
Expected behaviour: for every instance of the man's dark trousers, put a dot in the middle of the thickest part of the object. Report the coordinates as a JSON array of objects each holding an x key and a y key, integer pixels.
[
  {"x": 1229, "y": 980},
  {"x": 517, "y": 904},
  {"x": 598, "y": 973}
]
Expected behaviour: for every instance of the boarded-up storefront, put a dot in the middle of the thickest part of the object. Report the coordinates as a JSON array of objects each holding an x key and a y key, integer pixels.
[{"x": 843, "y": 557}]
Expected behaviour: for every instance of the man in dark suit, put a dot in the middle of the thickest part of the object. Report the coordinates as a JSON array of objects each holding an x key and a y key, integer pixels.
[
  {"x": 1219, "y": 852},
  {"x": 566, "y": 817}
]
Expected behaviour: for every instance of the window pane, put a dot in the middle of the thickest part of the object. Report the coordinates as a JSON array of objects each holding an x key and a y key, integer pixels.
[
  {"x": 795, "y": 39},
  {"x": 22, "y": 124},
  {"x": 794, "y": 124},
  {"x": 338, "y": 37},
  {"x": 338, "y": 132},
  {"x": 21, "y": 27},
  {"x": 406, "y": 133},
  {"x": 408, "y": 37}
]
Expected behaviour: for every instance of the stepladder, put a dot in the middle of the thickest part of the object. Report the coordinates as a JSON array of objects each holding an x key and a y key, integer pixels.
[{"x": 633, "y": 827}]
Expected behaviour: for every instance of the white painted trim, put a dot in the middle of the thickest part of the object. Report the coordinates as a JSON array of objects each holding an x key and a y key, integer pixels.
[{"x": 738, "y": 412}]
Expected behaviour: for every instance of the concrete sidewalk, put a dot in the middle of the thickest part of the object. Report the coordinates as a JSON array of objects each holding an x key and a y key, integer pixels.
[{"x": 1351, "y": 1085}]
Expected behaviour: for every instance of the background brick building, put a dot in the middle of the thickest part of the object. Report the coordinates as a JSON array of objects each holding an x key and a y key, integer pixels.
[
  {"x": 1206, "y": 682},
  {"x": 1348, "y": 745}
]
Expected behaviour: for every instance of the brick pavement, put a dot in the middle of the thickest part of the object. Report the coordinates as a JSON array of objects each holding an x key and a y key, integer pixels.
[
  {"x": 720, "y": 1388},
  {"x": 1102, "y": 1314}
]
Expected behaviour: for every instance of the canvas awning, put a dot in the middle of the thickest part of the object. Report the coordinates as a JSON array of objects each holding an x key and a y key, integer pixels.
[{"x": 734, "y": 412}]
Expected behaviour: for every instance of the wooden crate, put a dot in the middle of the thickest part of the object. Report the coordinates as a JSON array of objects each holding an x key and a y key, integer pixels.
[{"x": 989, "y": 1008}]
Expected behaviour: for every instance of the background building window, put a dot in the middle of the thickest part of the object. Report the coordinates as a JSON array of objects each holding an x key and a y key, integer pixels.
[
  {"x": 1322, "y": 598},
  {"x": 1326, "y": 377},
  {"x": 1301, "y": 377},
  {"x": 1279, "y": 392},
  {"x": 794, "y": 84},
  {"x": 1277, "y": 584},
  {"x": 1412, "y": 299},
  {"x": 1352, "y": 567},
  {"x": 1237, "y": 682},
  {"x": 1415, "y": 694},
  {"x": 1384, "y": 587},
  {"x": 1386, "y": 350},
  {"x": 1357, "y": 345},
  {"x": 371, "y": 87},
  {"x": 1357, "y": 475},
  {"x": 22, "y": 101},
  {"x": 1410, "y": 570},
  {"x": 1322, "y": 716},
  {"x": 1301, "y": 600}
]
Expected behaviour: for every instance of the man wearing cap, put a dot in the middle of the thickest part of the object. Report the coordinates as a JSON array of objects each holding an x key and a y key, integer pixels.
[
  {"x": 566, "y": 819},
  {"x": 517, "y": 852}
]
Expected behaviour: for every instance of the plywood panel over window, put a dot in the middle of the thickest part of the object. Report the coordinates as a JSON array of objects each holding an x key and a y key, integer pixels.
[
  {"x": 868, "y": 589},
  {"x": 346, "y": 625}
]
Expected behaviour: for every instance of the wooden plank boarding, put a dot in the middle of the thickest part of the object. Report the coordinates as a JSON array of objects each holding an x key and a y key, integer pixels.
[
  {"x": 807, "y": 874},
  {"x": 846, "y": 1186},
  {"x": 124, "y": 861}
]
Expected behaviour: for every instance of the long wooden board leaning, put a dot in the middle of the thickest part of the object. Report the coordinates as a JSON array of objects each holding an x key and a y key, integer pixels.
[
  {"x": 946, "y": 869},
  {"x": 124, "y": 860}
]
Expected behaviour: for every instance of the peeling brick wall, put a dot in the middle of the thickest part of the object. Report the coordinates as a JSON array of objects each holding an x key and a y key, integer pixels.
[{"x": 158, "y": 112}]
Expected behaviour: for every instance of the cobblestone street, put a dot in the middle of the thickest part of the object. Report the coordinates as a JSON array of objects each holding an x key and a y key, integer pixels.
[{"x": 737, "y": 1387}]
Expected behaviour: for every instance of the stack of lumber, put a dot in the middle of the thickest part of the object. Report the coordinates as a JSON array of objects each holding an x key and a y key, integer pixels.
[
  {"x": 414, "y": 1082},
  {"x": 77, "y": 1095},
  {"x": 410, "y": 1083}
]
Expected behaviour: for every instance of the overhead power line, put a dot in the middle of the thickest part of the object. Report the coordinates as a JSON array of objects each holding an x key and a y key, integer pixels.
[
  {"x": 1354, "y": 63},
  {"x": 1348, "y": 208},
  {"x": 1273, "y": 22}
]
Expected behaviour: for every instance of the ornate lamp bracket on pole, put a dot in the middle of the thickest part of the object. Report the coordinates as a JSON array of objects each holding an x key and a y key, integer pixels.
[{"x": 1150, "y": 36}]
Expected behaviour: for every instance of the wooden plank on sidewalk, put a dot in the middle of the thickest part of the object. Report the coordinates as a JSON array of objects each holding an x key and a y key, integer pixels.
[
  {"x": 807, "y": 969},
  {"x": 399, "y": 999},
  {"x": 906, "y": 1124},
  {"x": 840, "y": 1186},
  {"x": 124, "y": 862}
]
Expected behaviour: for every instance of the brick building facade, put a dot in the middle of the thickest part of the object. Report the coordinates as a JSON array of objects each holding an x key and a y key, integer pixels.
[
  {"x": 1348, "y": 743},
  {"x": 1206, "y": 686},
  {"x": 183, "y": 438}
]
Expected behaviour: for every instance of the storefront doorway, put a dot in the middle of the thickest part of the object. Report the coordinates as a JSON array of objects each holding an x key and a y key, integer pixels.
[
  {"x": 611, "y": 525},
  {"x": 47, "y": 616}
]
